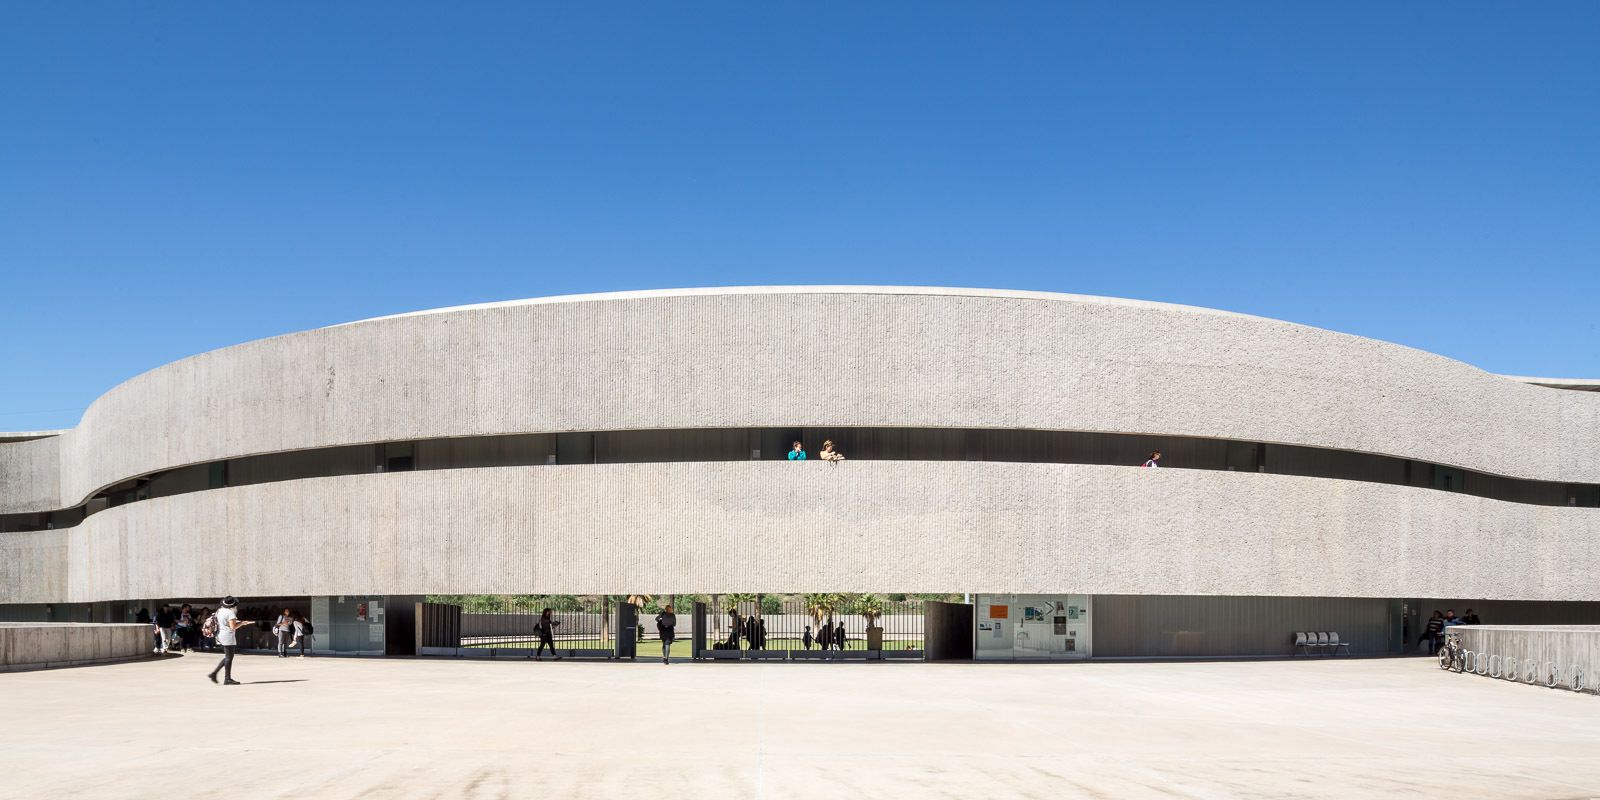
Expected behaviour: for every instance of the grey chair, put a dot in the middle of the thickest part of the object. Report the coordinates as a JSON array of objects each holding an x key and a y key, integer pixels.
[{"x": 1334, "y": 644}]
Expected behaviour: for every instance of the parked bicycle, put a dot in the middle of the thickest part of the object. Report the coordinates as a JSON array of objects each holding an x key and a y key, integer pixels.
[{"x": 1451, "y": 655}]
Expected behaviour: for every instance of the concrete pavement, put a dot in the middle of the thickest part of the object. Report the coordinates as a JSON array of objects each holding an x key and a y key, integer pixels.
[{"x": 374, "y": 728}]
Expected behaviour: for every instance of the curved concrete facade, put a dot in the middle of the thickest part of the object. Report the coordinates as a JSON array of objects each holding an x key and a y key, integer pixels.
[
  {"x": 863, "y": 526},
  {"x": 811, "y": 357}
]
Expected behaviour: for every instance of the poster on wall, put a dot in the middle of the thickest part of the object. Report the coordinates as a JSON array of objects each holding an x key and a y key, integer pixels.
[
  {"x": 361, "y": 612},
  {"x": 1061, "y": 626},
  {"x": 377, "y": 611},
  {"x": 999, "y": 612},
  {"x": 997, "y": 629}
]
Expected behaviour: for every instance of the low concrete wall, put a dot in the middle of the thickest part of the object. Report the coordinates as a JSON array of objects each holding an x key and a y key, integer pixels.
[
  {"x": 1561, "y": 655},
  {"x": 41, "y": 645}
]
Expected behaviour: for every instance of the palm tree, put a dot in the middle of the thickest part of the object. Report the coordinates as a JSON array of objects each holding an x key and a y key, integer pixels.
[
  {"x": 820, "y": 605},
  {"x": 869, "y": 606}
]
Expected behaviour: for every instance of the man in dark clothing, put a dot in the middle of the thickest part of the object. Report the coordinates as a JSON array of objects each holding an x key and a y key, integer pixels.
[
  {"x": 1470, "y": 618},
  {"x": 825, "y": 636},
  {"x": 143, "y": 617},
  {"x": 750, "y": 633},
  {"x": 164, "y": 620},
  {"x": 735, "y": 630},
  {"x": 761, "y": 633},
  {"x": 806, "y": 639},
  {"x": 1430, "y": 634},
  {"x": 838, "y": 637}
]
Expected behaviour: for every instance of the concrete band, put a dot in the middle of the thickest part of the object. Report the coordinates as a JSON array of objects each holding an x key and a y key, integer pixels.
[
  {"x": 43, "y": 645},
  {"x": 775, "y": 526},
  {"x": 811, "y": 357}
]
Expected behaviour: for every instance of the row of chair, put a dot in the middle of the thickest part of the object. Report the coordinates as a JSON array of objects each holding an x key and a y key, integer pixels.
[{"x": 1310, "y": 642}]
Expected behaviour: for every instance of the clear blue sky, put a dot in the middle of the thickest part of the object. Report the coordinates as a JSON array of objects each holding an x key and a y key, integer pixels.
[{"x": 178, "y": 177}]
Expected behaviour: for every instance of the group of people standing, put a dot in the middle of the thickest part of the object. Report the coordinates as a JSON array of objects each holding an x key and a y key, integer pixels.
[
  {"x": 752, "y": 630},
  {"x": 1433, "y": 632},
  {"x": 293, "y": 630},
  {"x": 178, "y": 629},
  {"x": 188, "y": 630},
  {"x": 827, "y": 637}
]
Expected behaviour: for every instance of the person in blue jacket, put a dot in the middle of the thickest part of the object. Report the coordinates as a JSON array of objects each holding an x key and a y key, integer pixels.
[{"x": 798, "y": 452}]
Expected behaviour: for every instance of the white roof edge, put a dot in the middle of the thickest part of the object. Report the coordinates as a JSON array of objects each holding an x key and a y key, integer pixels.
[
  {"x": 1576, "y": 384},
  {"x": 947, "y": 291},
  {"x": 24, "y": 435}
]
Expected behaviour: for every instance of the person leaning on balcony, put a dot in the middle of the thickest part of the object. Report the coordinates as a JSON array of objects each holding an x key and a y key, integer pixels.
[
  {"x": 829, "y": 454},
  {"x": 797, "y": 452},
  {"x": 1155, "y": 455}
]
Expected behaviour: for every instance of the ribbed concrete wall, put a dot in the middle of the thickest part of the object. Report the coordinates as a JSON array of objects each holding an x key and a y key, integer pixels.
[
  {"x": 30, "y": 475},
  {"x": 811, "y": 357},
  {"x": 43, "y": 645},
  {"x": 776, "y": 526}
]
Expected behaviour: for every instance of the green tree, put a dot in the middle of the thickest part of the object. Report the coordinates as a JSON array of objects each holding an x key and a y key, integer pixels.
[
  {"x": 820, "y": 605},
  {"x": 869, "y": 606}
]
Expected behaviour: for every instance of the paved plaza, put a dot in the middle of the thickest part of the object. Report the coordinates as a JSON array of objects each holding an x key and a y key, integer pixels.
[{"x": 395, "y": 728}]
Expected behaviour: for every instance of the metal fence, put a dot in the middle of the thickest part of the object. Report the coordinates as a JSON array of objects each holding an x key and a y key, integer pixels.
[
  {"x": 744, "y": 627},
  {"x": 800, "y": 629}
]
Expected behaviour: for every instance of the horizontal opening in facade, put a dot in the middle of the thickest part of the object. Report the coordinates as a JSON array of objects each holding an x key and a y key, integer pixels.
[{"x": 856, "y": 443}]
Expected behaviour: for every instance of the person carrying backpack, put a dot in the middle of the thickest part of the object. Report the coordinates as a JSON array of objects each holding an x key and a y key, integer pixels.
[
  {"x": 227, "y": 624},
  {"x": 666, "y": 626},
  {"x": 303, "y": 633}
]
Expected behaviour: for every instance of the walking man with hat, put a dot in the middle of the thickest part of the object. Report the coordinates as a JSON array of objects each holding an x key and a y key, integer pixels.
[{"x": 227, "y": 626}]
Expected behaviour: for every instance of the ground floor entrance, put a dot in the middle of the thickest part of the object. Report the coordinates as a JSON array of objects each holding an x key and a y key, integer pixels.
[{"x": 1032, "y": 627}]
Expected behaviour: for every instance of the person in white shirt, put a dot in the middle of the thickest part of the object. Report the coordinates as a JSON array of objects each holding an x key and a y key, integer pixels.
[
  {"x": 1154, "y": 457},
  {"x": 228, "y": 625}
]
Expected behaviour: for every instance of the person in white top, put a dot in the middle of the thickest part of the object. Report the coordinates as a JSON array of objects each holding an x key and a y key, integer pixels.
[
  {"x": 1154, "y": 457},
  {"x": 829, "y": 454},
  {"x": 227, "y": 626}
]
